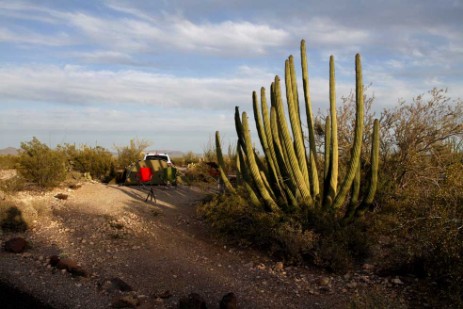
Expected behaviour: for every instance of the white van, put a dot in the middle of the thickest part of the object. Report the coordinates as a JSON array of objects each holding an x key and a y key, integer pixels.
[{"x": 158, "y": 156}]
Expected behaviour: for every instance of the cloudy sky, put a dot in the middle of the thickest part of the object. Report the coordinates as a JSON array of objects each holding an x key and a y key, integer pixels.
[{"x": 172, "y": 71}]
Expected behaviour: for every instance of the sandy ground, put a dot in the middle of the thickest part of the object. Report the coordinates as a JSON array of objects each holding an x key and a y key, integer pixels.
[{"x": 163, "y": 250}]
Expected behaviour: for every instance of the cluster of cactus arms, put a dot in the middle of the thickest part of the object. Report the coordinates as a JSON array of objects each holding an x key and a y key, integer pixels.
[{"x": 286, "y": 178}]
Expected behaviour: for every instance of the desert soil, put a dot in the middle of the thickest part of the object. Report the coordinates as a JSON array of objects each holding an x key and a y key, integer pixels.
[{"x": 163, "y": 250}]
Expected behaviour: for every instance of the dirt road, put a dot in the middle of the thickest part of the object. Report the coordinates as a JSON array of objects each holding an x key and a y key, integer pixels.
[{"x": 162, "y": 250}]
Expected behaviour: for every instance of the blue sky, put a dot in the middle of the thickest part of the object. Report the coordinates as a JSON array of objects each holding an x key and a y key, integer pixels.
[{"x": 172, "y": 71}]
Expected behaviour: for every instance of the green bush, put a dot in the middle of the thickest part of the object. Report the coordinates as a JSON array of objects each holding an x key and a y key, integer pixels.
[
  {"x": 12, "y": 185},
  {"x": 97, "y": 160},
  {"x": 41, "y": 165},
  {"x": 132, "y": 153},
  {"x": 246, "y": 225},
  {"x": 185, "y": 159},
  {"x": 8, "y": 161}
]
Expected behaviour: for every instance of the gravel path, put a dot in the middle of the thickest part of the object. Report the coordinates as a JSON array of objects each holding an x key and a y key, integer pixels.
[{"x": 162, "y": 250}]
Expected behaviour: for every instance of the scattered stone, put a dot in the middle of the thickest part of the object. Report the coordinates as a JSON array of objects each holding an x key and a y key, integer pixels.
[
  {"x": 75, "y": 186},
  {"x": 114, "y": 284},
  {"x": 324, "y": 281},
  {"x": 279, "y": 266},
  {"x": 260, "y": 266},
  {"x": 71, "y": 266},
  {"x": 53, "y": 261},
  {"x": 352, "y": 285},
  {"x": 125, "y": 301},
  {"x": 229, "y": 301},
  {"x": 16, "y": 245},
  {"x": 397, "y": 281},
  {"x": 192, "y": 301},
  {"x": 61, "y": 196},
  {"x": 365, "y": 279},
  {"x": 164, "y": 295},
  {"x": 368, "y": 267}
]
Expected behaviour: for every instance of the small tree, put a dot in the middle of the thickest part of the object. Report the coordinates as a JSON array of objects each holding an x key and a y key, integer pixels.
[
  {"x": 41, "y": 165},
  {"x": 128, "y": 154},
  {"x": 418, "y": 138}
]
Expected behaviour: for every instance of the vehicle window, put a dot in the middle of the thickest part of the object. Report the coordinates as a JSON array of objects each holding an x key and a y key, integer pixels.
[{"x": 156, "y": 157}]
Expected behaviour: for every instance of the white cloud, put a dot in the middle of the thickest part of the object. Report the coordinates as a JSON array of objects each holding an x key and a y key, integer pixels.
[
  {"x": 78, "y": 85},
  {"x": 24, "y": 36},
  {"x": 107, "y": 57}
]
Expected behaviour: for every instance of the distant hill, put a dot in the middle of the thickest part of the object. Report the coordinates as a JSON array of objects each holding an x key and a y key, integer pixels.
[{"x": 9, "y": 151}]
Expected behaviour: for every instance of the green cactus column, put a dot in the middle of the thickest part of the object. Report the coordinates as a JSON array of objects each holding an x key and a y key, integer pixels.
[
  {"x": 315, "y": 187},
  {"x": 332, "y": 185},
  {"x": 253, "y": 168},
  {"x": 223, "y": 176},
  {"x": 289, "y": 148},
  {"x": 358, "y": 136},
  {"x": 293, "y": 110},
  {"x": 369, "y": 198}
]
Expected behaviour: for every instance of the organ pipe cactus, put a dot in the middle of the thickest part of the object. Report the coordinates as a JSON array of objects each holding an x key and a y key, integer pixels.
[
  {"x": 287, "y": 178},
  {"x": 221, "y": 163}
]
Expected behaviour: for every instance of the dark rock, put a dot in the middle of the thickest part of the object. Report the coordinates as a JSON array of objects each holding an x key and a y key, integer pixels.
[
  {"x": 71, "y": 266},
  {"x": 125, "y": 301},
  {"x": 192, "y": 301},
  {"x": 16, "y": 245},
  {"x": 75, "y": 186},
  {"x": 229, "y": 301},
  {"x": 54, "y": 259},
  {"x": 61, "y": 196},
  {"x": 114, "y": 284},
  {"x": 165, "y": 294}
]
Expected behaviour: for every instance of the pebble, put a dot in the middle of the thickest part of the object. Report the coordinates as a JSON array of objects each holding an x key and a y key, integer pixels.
[
  {"x": 352, "y": 285},
  {"x": 279, "y": 266},
  {"x": 397, "y": 281},
  {"x": 324, "y": 281},
  {"x": 260, "y": 266}
]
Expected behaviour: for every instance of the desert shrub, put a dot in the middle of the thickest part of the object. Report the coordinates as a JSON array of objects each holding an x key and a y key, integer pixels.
[
  {"x": 94, "y": 160},
  {"x": 8, "y": 161},
  {"x": 420, "y": 218},
  {"x": 41, "y": 165},
  {"x": 131, "y": 153},
  {"x": 185, "y": 159},
  {"x": 12, "y": 185},
  {"x": 199, "y": 173},
  {"x": 340, "y": 246},
  {"x": 241, "y": 223},
  {"x": 209, "y": 153}
]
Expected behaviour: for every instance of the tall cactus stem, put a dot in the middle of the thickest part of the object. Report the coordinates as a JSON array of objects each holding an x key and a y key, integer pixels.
[
  {"x": 252, "y": 164},
  {"x": 357, "y": 147},
  {"x": 369, "y": 198},
  {"x": 315, "y": 187},
  {"x": 288, "y": 146},
  {"x": 268, "y": 133},
  {"x": 327, "y": 199},
  {"x": 334, "y": 156},
  {"x": 255, "y": 200},
  {"x": 295, "y": 120},
  {"x": 221, "y": 163}
]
